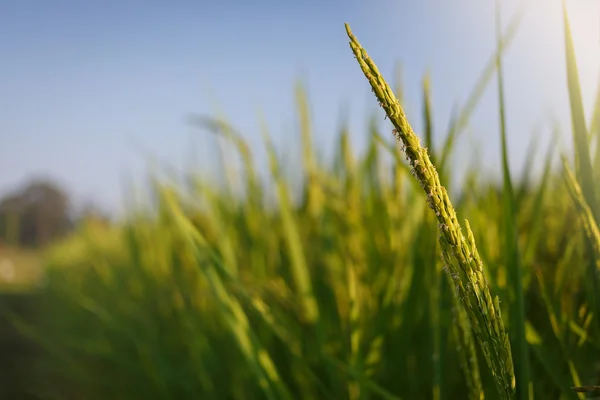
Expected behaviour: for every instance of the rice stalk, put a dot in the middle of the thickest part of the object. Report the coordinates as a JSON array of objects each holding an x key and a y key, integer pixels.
[{"x": 460, "y": 254}]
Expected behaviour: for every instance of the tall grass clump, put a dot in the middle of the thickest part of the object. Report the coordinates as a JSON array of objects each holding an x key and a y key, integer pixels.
[{"x": 360, "y": 284}]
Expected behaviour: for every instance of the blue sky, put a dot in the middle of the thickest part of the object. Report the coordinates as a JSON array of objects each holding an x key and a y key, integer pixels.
[{"x": 89, "y": 89}]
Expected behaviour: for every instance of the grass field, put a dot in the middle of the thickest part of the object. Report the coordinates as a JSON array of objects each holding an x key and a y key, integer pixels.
[{"x": 372, "y": 286}]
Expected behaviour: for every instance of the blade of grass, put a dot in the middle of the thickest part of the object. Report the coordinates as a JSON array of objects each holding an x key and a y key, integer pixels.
[
  {"x": 580, "y": 137},
  {"x": 313, "y": 189},
  {"x": 535, "y": 235},
  {"x": 427, "y": 115},
  {"x": 513, "y": 258},
  {"x": 461, "y": 120}
]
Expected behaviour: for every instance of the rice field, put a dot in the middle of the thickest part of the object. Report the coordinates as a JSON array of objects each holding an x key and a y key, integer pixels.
[{"x": 375, "y": 284}]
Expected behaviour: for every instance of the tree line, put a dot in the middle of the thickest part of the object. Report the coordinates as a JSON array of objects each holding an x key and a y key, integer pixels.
[{"x": 39, "y": 213}]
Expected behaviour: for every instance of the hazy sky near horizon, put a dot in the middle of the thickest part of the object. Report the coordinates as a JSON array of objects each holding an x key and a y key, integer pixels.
[{"x": 89, "y": 89}]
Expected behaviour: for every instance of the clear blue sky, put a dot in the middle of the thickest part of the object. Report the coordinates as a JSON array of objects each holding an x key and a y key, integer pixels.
[{"x": 87, "y": 89}]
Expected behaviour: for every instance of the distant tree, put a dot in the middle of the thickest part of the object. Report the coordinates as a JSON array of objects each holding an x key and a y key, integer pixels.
[{"x": 36, "y": 214}]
